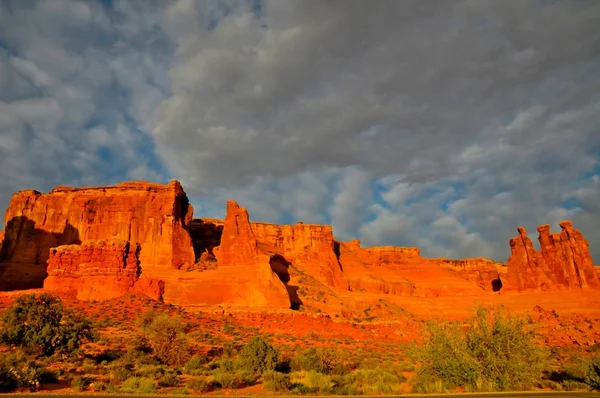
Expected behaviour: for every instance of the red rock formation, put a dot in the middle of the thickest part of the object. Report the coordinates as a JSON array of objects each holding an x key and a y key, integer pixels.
[
  {"x": 525, "y": 269},
  {"x": 153, "y": 288},
  {"x": 309, "y": 247},
  {"x": 94, "y": 270},
  {"x": 238, "y": 244},
  {"x": 243, "y": 277},
  {"x": 486, "y": 273},
  {"x": 153, "y": 215},
  {"x": 402, "y": 271},
  {"x": 564, "y": 260}
]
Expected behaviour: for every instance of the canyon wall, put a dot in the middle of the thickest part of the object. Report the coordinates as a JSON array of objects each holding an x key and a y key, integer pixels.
[
  {"x": 311, "y": 248},
  {"x": 93, "y": 270},
  {"x": 402, "y": 271},
  {"x": 242, "y": 275},
  {"x": 563, "y": 261},
  {"x": 152, "y": 215}
]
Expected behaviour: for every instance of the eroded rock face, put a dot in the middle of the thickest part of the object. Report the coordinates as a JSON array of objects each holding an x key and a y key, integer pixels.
[
  {"x": 486, "y": 273},
  {"x": 153, "y": 215},
  {"x": 563, "y": 261},
  {"x": 238, "y": 244},
  {"x": 94, "y": 270},
  {"x": 309, "y": 247},
  {"x": 402, "y": 271}
]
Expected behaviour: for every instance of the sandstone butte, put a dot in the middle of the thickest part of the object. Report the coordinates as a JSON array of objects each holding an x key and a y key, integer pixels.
[
  {"x": 99, "y": 243},
  {"x": 563, "y": 261}
]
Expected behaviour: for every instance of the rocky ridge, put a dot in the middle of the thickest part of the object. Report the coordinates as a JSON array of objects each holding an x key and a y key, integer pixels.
[{"x": 98, "y": 243}]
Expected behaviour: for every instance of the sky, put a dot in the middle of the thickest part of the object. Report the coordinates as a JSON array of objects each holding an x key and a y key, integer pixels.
[{"x": 442, "y": 124}]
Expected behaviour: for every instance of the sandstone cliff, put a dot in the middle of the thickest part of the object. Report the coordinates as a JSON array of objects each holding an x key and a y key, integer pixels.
[
  {"x": 154, "y": 216},
  {"x": 563, "y": 261},
  {"x": 311, "y": 248},
  {"x": 242, "y": 276},
  {"x": 94, "y": 270},
  {"x": 402, "y": 271},
  {"x": 238, "y": 243}
]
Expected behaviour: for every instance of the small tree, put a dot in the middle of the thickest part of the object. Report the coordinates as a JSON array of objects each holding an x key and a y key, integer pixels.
[
  {"x": 40, "y": 324},
  {"x": 258, "y": 356},
  {"x": 496, "y": 351},
  {"x": 165, "y": 337}
]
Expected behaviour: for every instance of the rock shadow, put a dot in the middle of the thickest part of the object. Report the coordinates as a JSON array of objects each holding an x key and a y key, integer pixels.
[
  {"x": 497, "y": 284},
  {"x": 205, "y": 236},
  {"x": 25, "y": 250},
  {"x": 281, "y": 266}
]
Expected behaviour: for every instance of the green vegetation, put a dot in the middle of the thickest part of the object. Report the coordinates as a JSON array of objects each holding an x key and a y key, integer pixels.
[
  {"x": 41, "y": 325},
  {"x": 494, "y": 351},
  {"x": 165, "y": 337},
  {"x": 166, "y": 350}
]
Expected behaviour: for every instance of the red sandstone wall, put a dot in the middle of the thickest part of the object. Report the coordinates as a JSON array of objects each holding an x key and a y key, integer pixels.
[
  {"x": 94, "y": 270},
  {"x": 153, "y": 215},
  {"x": 309, "y": 247},
  {"x": 563, "y": 261}
]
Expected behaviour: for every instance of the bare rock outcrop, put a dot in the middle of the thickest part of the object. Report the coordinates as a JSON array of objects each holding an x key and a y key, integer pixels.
[
  {"x": 563, "y": 261},
  {"x": 94, "y": 270},
  {"x": 154, "y": 216}
]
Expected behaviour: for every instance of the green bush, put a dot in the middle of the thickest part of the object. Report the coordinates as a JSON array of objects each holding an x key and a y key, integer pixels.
[
  {"x": 40, "y": 324},
  {"x": 592, "y": 376},
  {"x": 275, "y": 381},
  {"x": 258, "y": 356},
  {"x": 496, "y": 352},
  {"x": 98, "y": 386},
  {"x": 140, "y": 385},
  {"x": 80, "y": 383},
  {"x": 121, "y": 371},
  {"x": 199, "y": 384},
  {"x": 169, "y": 380},
  {"x": 239, "y": 379},
  {"x": 18, "y": 371},
  {"x": 195, "y": 363},
  {"x": 165, "y": 337},
  {"x": 322, "y": 360},
  {"x": 307, "y": 360}
]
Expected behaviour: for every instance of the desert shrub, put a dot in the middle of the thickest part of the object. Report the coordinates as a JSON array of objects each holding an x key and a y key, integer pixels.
[
  {"x": 275, "y": 381},
  {"x": 592, "y": 375},
  {"x": 198, "y": 384},
  {"x": 425, "y": 384},
  {"x": 121, "y": 371},
  {"x": 140, "y": 385},
  {"x": 258, "y": 356},
  {"x": 577, "y": 370},
  {"x": 318, "y": 382},
  {"x": 239, "y": 379},
  {"x": 574, "y": 385},
  {"x": 169, "y": 380},
  {"x": 165, "y": 336},
  {"x": 373, "y": 381},
  {"x": 98, "y": 386},
  {"x": 496, "y": 352},
  {"x": 40, "y": 324},
  {"x": 195, "y": 363},
  {"x": 323, "y": 360},
  {"x": 18, "y": 371},
  {"x": 150, "y": 371},
  {"x": 307, "y": 360},
  {"x": 230, "y": 349},
  {"x": 80, "y": 383}
]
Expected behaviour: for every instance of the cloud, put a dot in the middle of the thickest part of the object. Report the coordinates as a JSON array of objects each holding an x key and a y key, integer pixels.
[
  {"x": 69, "y": 112},
  {"x": 438, "y": 124}
]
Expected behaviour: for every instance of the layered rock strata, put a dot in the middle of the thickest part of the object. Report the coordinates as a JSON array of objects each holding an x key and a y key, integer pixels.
[
  {"x": 152, "y": 215},
  {"x": 563, "y": 261}
]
